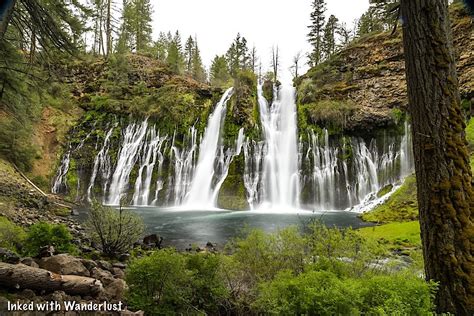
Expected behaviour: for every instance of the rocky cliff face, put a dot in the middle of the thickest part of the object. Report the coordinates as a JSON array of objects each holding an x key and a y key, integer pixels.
[{"x": 363, "y": 87}]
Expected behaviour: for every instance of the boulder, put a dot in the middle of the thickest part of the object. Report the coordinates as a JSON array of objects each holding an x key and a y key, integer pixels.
[
  {"x": 103, "y": 275},
  {"x": 115, "y": 290},
  {"x": 9, "y": 256},
  {"x": 64, "y": 264},
  {"x": 105, "y": 265},
  {"x": 29, "y": 262}
]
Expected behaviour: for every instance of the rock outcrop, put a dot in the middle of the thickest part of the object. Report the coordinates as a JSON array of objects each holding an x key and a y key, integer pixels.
[{"x": 363, "y": 87}]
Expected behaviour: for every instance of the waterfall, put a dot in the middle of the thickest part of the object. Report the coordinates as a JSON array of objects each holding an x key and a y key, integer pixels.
[
  {"x": 280, "y": 178},
  {"x": 184, "y": 163},
  {"x": 127, "y": 156},
  {"x": 201, "y": 194},
  {"x": 59, "y": 184},
  {"x": 102, "y": 163},
  {"x": 149, "y": 157},
  {"x": 406, "y": 153},
  {"x": 60, "y": 179}
]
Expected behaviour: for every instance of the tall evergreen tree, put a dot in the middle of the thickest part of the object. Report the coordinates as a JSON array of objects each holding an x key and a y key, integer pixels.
[
  {"x": 219, "y": 74},
  {"x": 136, "y": 28},
  {"x": 443, "y": 174},
  {"x": 198, "y": 71},
  {"x": 160, "y": 48},
  {"x": 329, "y": 39},
  {"x": 189, "y": 48},
  {"x": 315, "y": 35},
  {"x": 237, "y": 55},
  {"x": 175, "y": 57}
]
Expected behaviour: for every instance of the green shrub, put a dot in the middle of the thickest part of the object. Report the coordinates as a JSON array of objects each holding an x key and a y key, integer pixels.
[
  {"x": 44, "y": 234},
  {"x": 11, "y": 235},
  {"x": 168, "y": 282},
  {"x": 323, "y": 293},
  {"x": 115, "y": 231}
]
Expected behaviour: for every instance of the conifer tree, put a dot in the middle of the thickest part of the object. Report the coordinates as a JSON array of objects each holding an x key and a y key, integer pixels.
[
  {"x": 189, "y": 54},
  {"x": 136, "y": 28},
  {"x": 315, "y": 35},
  {"x": 175, "y": 58},
  {"x": 237, "y": 55},
  {"x": 198, "y": 71},
  {"x": 329, "y": 39},
  {"x": 219, "y": 74}
]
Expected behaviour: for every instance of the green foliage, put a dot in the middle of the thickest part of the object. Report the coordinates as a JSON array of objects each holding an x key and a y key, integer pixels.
[
  {"x": 238, "y": 56},
  {"x": 470, "y": 133},
  {"x": 219, "y": 73},
  {"x": 136, "y": 28},
  {"x": 315, "y": 35},
  {"x": 321, "y": 271},
  {"x": 11, "y": 235},
  {"x": 114, "y": 230},
  {"x": 167, "y": 282},
  {"x": 45, "y": 234},
  {"x": 331, "y": 114},
  {"x": 15, "y": 142},
  {"x": 402, "y": 205},
  {"x": 329, "y": 39},
  {"x": 324, "y": 293}
]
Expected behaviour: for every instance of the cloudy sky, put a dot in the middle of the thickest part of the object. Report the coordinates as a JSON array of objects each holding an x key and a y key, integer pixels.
[{"x": 263, "y": 22}]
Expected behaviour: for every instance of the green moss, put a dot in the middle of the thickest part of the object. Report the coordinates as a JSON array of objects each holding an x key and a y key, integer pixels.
[
  {"x": 330, "y": 114},
  {"x": 406, "y": 234},
  {"x": 385, "y": 190},
  {"x": 402, "y": 205},
  {"x": 232, "y": 195}
]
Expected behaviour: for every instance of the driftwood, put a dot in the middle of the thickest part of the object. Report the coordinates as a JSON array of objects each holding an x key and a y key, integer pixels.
[{"x": 20, "y": 276}]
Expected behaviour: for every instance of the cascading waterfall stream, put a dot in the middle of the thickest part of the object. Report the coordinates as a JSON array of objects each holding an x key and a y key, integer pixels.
[
  {"x": 280, "y": 178},
  {"x": 133, "y": 138},
  {"x": 200, "y": 194},
  {"x": 318, "y": 171}
]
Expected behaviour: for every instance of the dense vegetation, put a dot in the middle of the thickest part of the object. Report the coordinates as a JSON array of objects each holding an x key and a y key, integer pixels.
[{"x": 325, "y": 271}]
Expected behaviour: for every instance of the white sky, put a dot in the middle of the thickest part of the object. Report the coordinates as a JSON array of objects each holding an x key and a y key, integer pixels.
[{"x": 263, "y": 23}]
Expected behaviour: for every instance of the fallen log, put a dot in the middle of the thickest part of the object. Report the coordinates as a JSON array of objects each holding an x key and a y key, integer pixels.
[{"x": 20, "y": 276}]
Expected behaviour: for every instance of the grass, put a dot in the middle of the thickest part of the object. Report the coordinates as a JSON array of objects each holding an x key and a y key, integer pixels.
[
  {"x": 405, "y": 234},
  {"x": 402, "y": 206}
]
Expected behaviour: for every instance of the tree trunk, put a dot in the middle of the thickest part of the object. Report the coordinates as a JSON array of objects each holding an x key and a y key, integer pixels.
[
  {"x": 445, "y": 192},
  {"x": 6, "y": 10},
  {"x": 25, "y": 277}
]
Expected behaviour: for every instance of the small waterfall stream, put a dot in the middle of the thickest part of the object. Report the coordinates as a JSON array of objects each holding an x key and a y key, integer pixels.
[{"x": 201, "y": 193}]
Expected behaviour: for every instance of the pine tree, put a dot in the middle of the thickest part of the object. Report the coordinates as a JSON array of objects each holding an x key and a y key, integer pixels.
[
  {"x": 175, "y": 58},
  {"x": 136, "y": 28},
  {"x": 219, "y": 74},
  {"x": 237, "y": 55},
  {"x": 160, "y": 48},
  {"x": 329, "y": 39},
  {"x": 198, "y": 71},
  {"x": 316, "y": 31},
  {"x": 189, "y": 48}
]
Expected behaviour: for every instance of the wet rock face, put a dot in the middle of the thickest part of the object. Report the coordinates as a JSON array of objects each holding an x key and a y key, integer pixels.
[{"x": 370, "y": 74}]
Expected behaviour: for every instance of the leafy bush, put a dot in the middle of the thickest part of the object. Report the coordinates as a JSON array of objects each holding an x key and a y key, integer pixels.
[
  {"x": 11, "y": 235},
  {"x": 324, "y": 271},
  {"x": 44, "y": 234},
  {"x": 323, "y": 293},
  {"x": 168, "y": 281},
  {"x": 115, "y": 231}
]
